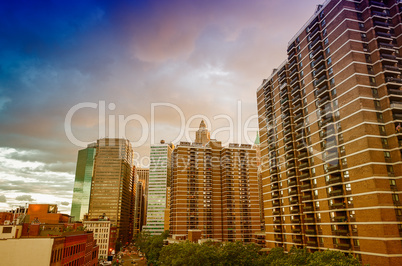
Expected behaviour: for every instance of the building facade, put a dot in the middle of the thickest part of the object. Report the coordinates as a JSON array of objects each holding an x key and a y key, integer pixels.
[
  {"x": 160, "y": 171},
  {"x": 112, "y": 185},
  {"x": 141, "y": 196},
  {"x": 83, "y": 181},
  {"x": 329, "y": 120},
  {"x": 101, "y": 233},
  {"x": 214, "y": 189}
]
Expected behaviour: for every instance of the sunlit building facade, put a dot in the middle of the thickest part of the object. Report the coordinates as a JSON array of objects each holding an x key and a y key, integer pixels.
[
  {"x": 112, "y": 185},
  {"x": 330, "y": 132},
  {"x": 214, "y": 189},
  {"x": 83, "y": 181}
]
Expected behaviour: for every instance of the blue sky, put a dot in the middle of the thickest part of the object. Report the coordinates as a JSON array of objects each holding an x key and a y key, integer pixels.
[{"x": 201, "y": 56}]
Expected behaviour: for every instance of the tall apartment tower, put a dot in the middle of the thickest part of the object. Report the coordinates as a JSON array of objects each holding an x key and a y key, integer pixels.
[
  {"x": 214, "y": 189},
  {"x": 141, "y": 195},
  {"x": 160, "y": 171},
  {"x": 111, "y": 192},
  {"x": 329, "y": 120},
  {"x": 83, "y": 181}
]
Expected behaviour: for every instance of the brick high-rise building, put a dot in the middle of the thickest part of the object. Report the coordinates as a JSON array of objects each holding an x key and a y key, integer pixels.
[
  {"x": 329, "y": 119},
  {"x": 214, "y": 189},
  {"x": 112, "y": 185}
]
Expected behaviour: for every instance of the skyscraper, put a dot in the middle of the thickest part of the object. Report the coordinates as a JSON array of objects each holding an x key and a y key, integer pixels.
[
  {"x": 83, "y": 181},
  {"x": 159, "y": 179},
  {"x": 214, "y": 189},
  {"x": 141, "y": 196},
  {"x": 329, "y": 119},
  {"x": 111, "y": 192}
]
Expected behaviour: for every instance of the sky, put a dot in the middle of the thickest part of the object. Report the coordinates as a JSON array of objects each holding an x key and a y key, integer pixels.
[{"x": 72, "y": 72}]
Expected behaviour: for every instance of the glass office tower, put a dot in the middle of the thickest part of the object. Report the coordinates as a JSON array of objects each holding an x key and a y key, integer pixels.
[{"x": 82, "y": 184}]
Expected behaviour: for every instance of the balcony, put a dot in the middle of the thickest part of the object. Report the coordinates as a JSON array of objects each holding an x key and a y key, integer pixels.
[
  {"x": 335, "y": 179},
  {"x": 294, "y": 210},
  {"x": 337, "y": 192},
  {"x": 312, "y": 243},
  {"x": 296, "y": 230},
  {"x": 305, "y": 186},
  {"x": 338, "y": 205},
  {"x": 309, "y": 220},
  {"x": 310, "y": 232},
  {"x": 380, "y": 14},
  {"x": 383, "y": 34},
  {"x": 308, "y": 208},
  {"x": 343, "y": 246},
  {"x": 381, "y": 24},
  {"x": 304, "y": 176},
  {"x": 293, "y": 192},
  {"x": 341, "y": 232},
  {"x": 307, "y": 197},
  {"x": 302, "y": 155},
  {"x": 340, "y": 218},
  {"x": 391, "y": 68},
  {"x": 297, "y": 240}
]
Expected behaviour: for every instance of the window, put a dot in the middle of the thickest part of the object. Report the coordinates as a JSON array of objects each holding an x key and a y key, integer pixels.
[
  {"x": 301, "y": 64},
  {"x": 327, "y": 51},
  {"x": 344, "y": 162},
  {"x": 324, "y": 33},
  {"x": 7, "y": 230},
  {"x": 323, "y": 23},
  {"x": 330, "y": 71},
  {"x": 377, "y": 104},
  {"x": 380, "y": 118},
  {"x": 322, "y": 14},
  {"x": 363, "y": 35},
  {"x": 375, "y": 92},
  {"x": 346, "y": 174},
  {"x": 382, "y": 130},
  {"x": 329, "y": 61},
  {"x": 390, "y": 170},
  {"x": 298, "y": 48},
  {"x": 299, "y": 57},
  {"x": 326, "y": 41},
  {"x": 348, "y": 187},
  {"x": 333, "y": 92},
  {"x": 387, "y": 155},
  {"x": 361, "y": 25},
  {"x": 332, "y": 82},
  {"x": 365, "y": 47},
  {"x": 372, "y": 80},
  {"x": 395, "y": 197},
  {"x": 356, "y": 242},
  {"x": 301, "y": 74},
  {"x": 392, "y": 182}
]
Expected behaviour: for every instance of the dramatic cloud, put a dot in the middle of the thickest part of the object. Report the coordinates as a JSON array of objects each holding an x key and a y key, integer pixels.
[
  {"x": 3, "y": 198},
  {"x": 24, "y": 198},
  {"x": 203, "y": 57}
]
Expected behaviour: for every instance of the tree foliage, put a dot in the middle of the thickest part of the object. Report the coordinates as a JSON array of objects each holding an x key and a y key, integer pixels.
[
  {"x": 151, "y": 246},
  {"x": 233, "y": 253}
]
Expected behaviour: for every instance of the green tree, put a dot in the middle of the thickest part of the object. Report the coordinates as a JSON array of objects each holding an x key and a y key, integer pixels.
[
  {"x": 334, "y": 258},
  {"x": 187, "y": 253},
  {"x": 235, "y": 253}
]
